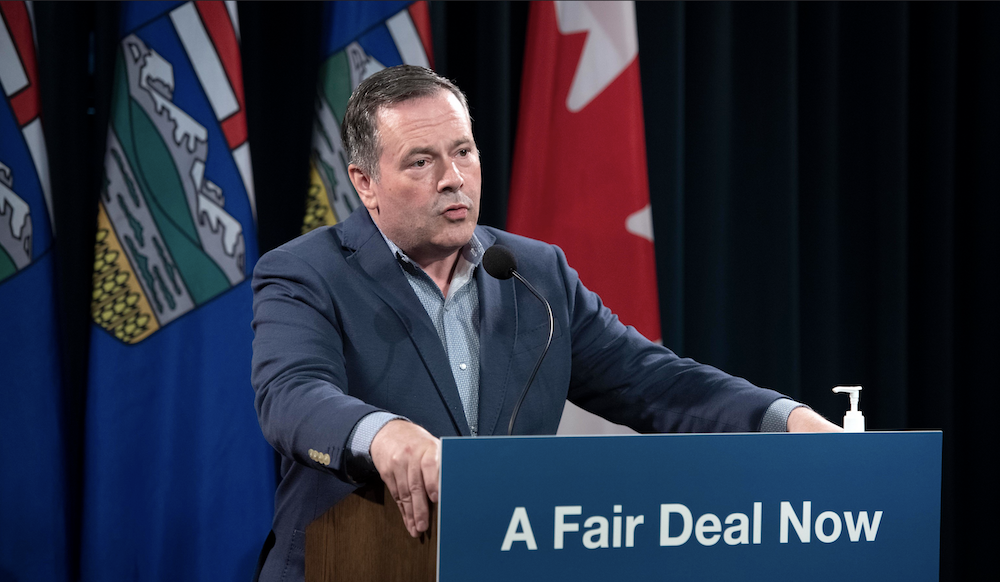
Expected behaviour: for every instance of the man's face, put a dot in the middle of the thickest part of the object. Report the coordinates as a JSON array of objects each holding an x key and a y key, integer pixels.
[{"x": 426, "y": 199}]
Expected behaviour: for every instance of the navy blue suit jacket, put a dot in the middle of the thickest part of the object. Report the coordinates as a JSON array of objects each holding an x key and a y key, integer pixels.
[{"x": 339, "y": 333}]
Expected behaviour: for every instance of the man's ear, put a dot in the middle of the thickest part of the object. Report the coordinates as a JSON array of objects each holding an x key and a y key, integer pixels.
[{"x": 363, "y": 184}]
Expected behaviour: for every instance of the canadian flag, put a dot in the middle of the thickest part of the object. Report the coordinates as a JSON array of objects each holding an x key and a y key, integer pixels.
[{"x": 579, "y": 177}]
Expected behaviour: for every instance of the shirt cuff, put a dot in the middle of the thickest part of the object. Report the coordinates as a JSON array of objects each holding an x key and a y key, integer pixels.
[
  {"x": 776, "y": 416},
  {"x": 360, "y": 442}
]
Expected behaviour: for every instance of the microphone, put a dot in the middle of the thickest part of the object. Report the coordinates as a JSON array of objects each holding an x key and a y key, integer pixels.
[{"x": 500, "y": 263}]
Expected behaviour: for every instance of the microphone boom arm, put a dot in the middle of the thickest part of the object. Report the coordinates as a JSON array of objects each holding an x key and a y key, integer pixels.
[{"x": 548, "y": 342}]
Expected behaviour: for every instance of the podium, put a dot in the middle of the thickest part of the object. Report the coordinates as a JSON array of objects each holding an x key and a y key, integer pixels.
[
  {"x": 793, "y": 507},
  {"x": 363, "y": 538}
]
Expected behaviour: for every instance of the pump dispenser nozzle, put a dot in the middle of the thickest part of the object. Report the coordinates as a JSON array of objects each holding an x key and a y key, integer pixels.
[{"x": 854, "y": 421}]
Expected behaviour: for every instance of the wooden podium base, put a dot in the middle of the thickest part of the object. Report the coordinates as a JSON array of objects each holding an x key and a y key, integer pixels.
[{"x": 363, "y": 539}]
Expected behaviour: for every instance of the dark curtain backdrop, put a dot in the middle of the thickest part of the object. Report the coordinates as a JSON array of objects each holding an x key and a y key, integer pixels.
[{"x": 824, "y": 182}]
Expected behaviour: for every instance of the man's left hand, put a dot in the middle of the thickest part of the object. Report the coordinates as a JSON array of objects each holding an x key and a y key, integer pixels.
[{"x": 804, "y": 420}]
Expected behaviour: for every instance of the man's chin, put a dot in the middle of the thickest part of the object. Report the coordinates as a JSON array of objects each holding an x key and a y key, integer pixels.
[{"x": 457, "y": 236}]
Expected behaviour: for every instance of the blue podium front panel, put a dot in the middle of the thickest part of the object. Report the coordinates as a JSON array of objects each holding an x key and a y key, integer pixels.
[{"x": 817, "y": 507}]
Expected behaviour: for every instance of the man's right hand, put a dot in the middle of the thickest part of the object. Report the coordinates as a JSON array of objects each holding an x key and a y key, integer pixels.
[{"x": 408, "y": 458}]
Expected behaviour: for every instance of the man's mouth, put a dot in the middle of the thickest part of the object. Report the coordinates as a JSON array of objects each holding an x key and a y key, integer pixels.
[{"x": 456, "y": 211}]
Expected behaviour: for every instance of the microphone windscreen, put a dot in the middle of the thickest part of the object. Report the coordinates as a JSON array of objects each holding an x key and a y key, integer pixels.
[{"x": 499, "y": 262}]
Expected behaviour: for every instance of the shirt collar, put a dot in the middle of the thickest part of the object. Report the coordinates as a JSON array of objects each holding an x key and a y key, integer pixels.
[{"x": 471, "y": 254}]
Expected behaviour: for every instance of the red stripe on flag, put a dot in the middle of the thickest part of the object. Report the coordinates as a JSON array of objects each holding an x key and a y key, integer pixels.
[
  {"x": 235, "y": 129},
  {"x": 26, "y": 103},
  {"x": 421, "y": 16},
  {"x": 220, "y": 30},
  {"x": 580, "y": 176}
]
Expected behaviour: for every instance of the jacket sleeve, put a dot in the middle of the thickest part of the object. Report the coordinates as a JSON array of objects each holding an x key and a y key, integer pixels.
[
  {"x": 622, "y": 376},
  {"x": 298, "y": 371}
]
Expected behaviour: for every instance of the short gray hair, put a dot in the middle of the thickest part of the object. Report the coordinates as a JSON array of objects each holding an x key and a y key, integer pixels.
[{"x": 388, "y": 87}]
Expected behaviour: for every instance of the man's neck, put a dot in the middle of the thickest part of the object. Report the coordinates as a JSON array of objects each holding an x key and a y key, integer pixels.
[{"x": 441, "y": 271}]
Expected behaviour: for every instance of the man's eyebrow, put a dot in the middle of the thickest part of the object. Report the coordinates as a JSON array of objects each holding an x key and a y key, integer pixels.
[
  {"x": 418, "y": 151},
  {"x": 425, "y": 150}
]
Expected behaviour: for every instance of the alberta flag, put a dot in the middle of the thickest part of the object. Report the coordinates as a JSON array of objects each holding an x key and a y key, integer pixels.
[
  {"x": 178, "y": 480},
  {"x": 359, "y": 39},
  {"x": 32, "y": 479}
]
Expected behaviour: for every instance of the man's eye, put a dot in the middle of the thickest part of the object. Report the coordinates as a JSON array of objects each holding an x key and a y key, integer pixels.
[
  {"x": 420, "y": 163},
  {"x": 463, "y": 152}
]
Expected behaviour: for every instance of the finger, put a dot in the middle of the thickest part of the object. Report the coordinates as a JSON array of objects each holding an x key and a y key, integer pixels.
[
  {"x": 390, "y": 483},
  {"x": 404, "y": 498},
  {"x": 418, "y": 496},
  {"x": 430, "y": 467}
]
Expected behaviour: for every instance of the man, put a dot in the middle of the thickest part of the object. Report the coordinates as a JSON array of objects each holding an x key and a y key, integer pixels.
[{"x": 378, "y": 335}]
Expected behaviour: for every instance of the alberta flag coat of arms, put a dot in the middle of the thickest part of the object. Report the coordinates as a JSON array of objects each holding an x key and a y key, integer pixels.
[{"x": 171, "y": 236}]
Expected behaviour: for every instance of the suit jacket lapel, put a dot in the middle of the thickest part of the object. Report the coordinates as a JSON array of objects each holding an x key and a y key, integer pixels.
[
  {"x": 374, "y": 259},
  {"x": 497, "y": 330}
]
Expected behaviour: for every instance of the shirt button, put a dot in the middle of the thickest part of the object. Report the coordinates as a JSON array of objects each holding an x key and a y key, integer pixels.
[{"x": 462, "y": 366}]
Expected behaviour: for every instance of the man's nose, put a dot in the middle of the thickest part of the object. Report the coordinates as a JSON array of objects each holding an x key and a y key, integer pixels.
[{"x": 452, "y": 180}]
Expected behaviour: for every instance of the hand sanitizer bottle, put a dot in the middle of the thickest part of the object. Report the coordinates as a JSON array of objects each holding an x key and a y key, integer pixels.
[{"x": 854, "y": 421}]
